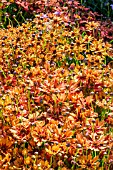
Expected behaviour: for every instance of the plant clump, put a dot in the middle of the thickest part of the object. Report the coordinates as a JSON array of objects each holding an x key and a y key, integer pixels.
[
  {"x": 17, "y": 12},
  {"x": 56, "y": 95}
]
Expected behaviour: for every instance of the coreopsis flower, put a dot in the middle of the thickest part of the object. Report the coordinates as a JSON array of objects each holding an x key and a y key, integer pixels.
[
  {"x": 53, "y": 150},
  {"x": 92, "y": 25},
  {"x": 88, "y": 162}
]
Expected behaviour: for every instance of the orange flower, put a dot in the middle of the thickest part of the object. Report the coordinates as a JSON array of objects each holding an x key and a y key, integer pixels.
[
  {"x": 27, "y": 160},
  {"x": 80, "y": 57},
  {"x": 89, "y": 100},
  {"x": 53, "y": 150},
  {"x": 6, "y": 158},
  {"x": 24, "y": 151},
  {"x": 92, "y": 25},
  {"x": 87, "y": 162},
  {"x": 61, "y": 97}
]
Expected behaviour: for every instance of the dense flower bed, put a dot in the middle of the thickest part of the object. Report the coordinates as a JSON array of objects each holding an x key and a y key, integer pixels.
[{"x": 56, "y": 94}]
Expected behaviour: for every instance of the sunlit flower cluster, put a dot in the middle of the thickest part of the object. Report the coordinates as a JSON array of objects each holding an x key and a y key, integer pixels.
[{"x": 56, "y": 96}]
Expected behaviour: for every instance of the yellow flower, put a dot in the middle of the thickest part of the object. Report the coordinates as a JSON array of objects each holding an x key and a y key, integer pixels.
[
  {"x": 27, "y": 160},
  {"x": 24, "y": 151},
  {"x": 53, "y": 150},
  {"x": 92, "y": 25},
  {"x": 88, "y": 162}
]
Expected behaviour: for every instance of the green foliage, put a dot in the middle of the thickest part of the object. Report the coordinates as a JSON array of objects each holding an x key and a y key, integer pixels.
[
  {"x": 101, "y": 6},
  {"x": 13, "y": 15}
]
